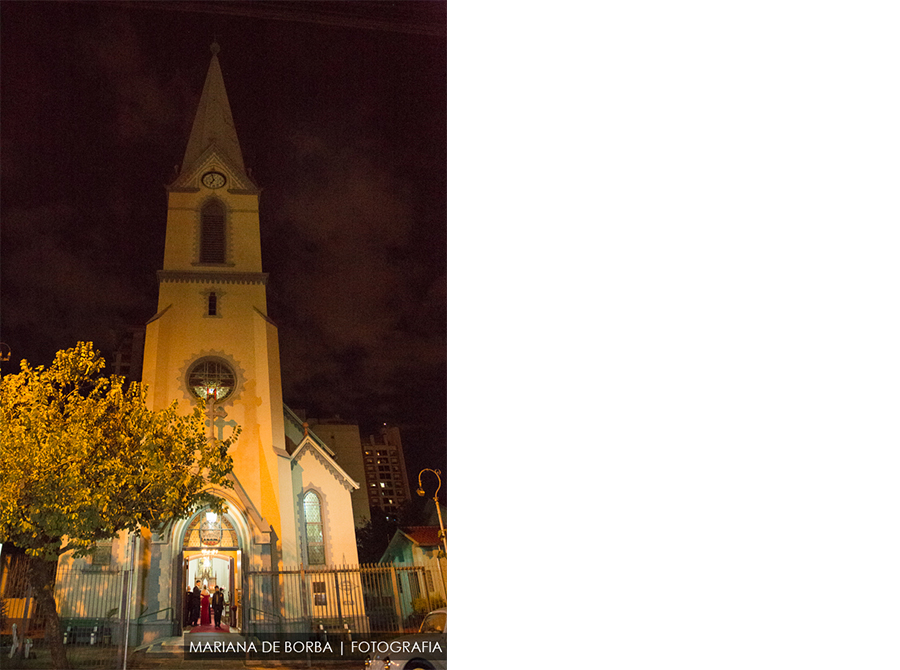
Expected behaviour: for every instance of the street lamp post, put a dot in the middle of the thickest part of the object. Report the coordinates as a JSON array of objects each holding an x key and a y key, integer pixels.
[{"x": 421, "y": 492}]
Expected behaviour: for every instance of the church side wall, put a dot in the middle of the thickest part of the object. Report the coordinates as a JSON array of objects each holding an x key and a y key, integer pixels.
[
  {"x": 269, "y": 417},
  {"x": 310, "y": 473}
]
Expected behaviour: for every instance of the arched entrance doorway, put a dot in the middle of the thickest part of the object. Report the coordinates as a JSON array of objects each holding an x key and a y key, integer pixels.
[{"x": 211, "y": 553}]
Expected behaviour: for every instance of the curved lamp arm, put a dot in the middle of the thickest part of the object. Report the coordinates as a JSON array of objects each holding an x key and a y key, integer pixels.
[
  {"x": 421, "y": 492},
  {"x": 437, "y": 473}
]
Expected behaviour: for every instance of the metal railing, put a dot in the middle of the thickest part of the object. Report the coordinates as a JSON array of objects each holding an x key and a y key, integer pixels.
[
  {"x": 346, "y": 599},
  {"x": 87, "y": 600}
]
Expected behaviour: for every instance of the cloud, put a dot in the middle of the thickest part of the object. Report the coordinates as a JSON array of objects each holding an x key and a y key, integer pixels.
[
  {"x": 355, "y": 227},
  {"x": 146, "y": 105},
  {"x": 363, "y": 315},
  {"x": 56, "y": 288}
]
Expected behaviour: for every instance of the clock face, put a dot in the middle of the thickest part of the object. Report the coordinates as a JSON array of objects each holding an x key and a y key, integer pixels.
[{"x": 214, "y": 180}]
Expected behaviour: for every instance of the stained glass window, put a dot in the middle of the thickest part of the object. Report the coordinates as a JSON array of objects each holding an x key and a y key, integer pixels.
[
  {"x": 315, "y": 539},
  {"x": 211, "y": 380},
  {"x": 210, "y": 533},
  {"x": 204, "y": 532}
]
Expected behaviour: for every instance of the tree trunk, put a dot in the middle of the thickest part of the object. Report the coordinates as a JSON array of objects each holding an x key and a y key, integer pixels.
[{"x": 41, "y": 576}]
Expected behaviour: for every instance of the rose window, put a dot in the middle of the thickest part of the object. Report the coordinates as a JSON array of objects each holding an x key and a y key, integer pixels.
[{"x": 212, "y": 381}]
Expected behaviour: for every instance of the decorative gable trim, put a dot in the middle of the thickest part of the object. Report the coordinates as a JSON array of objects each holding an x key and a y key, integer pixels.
[
  {"x": 213, "y": 159},
  {"x": 308, "y": 444},
  {"x": 303, "y": 426}
]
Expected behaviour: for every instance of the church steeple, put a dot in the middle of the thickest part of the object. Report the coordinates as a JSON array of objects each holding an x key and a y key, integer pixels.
[
  {"x": 211, "y": 339},
  {"x": 213, "y": 125},
  {"x": 213, "y": 221}
]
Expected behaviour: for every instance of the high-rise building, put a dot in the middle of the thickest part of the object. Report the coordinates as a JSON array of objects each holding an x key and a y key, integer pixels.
[{"x": 386, "y": 480}]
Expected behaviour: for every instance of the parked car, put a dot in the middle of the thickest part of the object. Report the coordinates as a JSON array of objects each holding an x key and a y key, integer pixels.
[{"x": 425, "y": 650}]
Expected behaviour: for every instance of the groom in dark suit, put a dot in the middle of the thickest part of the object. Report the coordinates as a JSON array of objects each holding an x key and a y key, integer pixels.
[
  {"x": 218, "y": 604},
  {"x": 195, "y": 604}
]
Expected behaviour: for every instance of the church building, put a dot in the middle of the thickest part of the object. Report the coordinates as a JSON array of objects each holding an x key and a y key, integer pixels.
[{"x": 212, "y": 338}]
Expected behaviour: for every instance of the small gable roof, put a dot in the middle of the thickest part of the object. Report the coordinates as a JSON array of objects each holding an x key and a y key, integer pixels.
[
  {"x": 307, "y": 431},
  {"x": 307, "y": 444},
  {"x": 424, "y": 536}
]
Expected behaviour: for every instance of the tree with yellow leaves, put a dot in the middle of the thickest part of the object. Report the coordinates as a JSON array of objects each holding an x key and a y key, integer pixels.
[{"x": 83, "y": 459}]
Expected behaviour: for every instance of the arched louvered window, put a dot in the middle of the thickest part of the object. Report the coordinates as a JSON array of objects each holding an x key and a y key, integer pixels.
[
  {"x": 315, "y": 539},
  {"x": 212, "y": 233}
]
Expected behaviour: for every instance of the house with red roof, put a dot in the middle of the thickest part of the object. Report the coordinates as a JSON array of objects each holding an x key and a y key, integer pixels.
[{"x": 420, "y": 547}]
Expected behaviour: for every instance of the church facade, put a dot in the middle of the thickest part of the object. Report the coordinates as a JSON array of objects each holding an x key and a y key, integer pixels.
[{"x": 211, "y": 338}]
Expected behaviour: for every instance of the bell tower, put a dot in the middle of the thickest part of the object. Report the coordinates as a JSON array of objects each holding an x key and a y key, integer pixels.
[{"x": 211, "y": 337}]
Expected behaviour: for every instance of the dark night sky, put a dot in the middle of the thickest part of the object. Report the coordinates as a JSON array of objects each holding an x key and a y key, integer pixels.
[{"x": 340, "y": 109}]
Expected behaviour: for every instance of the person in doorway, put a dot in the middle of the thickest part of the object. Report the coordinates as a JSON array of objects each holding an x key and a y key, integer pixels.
[
  {"x": 218, "y": 604},
  {"x": 195, "y": 604},
  {"x": 204, "y": 608}
]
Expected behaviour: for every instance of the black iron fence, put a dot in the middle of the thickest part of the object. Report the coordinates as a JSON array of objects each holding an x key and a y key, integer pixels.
[
  {"x": 350, "y": 599},
  {"x": 346, "y": 602},
  {"x": 88, "y": 600}
]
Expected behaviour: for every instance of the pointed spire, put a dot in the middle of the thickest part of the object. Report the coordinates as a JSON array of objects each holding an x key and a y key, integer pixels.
[{"x": 213, "y": 123}]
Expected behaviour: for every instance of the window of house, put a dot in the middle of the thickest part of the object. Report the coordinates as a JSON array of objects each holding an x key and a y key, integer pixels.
[
  {"x": 102, "y": 555},
  {"x": 315, "y": 539},
  {"x": 212, "y": 233},
  {"x": 319, "y": 593},
  {"x": 211, "y": 304}
]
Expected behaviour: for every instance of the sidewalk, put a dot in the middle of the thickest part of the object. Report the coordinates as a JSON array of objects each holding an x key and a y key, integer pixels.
[
  {"x": 141, "y": 660},
  {"x": 169, "y": 653},
  {"x": 181, "y": 664}
]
